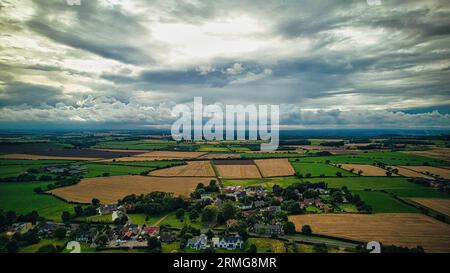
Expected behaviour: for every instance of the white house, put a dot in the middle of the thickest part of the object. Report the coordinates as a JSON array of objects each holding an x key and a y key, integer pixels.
[
  {"x": 230, "y": 243},
  {"x": 199, "y": 242}
]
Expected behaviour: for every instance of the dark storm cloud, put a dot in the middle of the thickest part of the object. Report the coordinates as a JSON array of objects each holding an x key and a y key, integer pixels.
[{"x": 33, "y": 95}]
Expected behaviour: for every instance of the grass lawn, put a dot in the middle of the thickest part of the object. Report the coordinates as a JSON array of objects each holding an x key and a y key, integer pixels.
[
  {"x": 384, "y": 203},
  {"x": 21, "y": 198},
  {"x": 106, "y": 218},
  {"x": 13, "y": 170},
  {"x": 348, "y": 208},
  {"x": 141, "y": 219},
  {"x": 95, "y": 170},
  {"x": 266, "y": 245},
  {"x": 170, "y": 247},
  {"x": 34, "y": 248},
  {"x": 318, "y": 169},
  {"x": 172, "y": 221},
  {"x": 312, "y": 209},
  {"x": 390, "y": 158}
]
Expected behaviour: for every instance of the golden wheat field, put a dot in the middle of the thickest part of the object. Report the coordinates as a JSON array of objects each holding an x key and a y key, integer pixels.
[
  {"x": 238, "y": 171},
  {"x": 192, "y": 169},
  {"x": 401, "y": 229},
  {"x": 437, "y": 204},
  {"x": 275, "y": 167},
  {"x": 442, "y": 172},
  {"x": 404, "y": 171},
  {"x": 110, "y": 189}
]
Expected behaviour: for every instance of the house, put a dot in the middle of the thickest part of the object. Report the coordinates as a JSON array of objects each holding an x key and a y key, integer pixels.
[
  {"x": 150, "y": 231},
  {"x": 230, "y": 243},
  {"x": 116, "y": 215},
  {"x": 231, "y": 223},
  {"x": 129, "y": 231},
  {"x": 246, "y": 207},
  {"x": 167, "y": 237},
  {"x": 278, "y": 198},
  {"x": 48, "y": 228},
  {"x": 22, "y": 227},
  {"x": 273, "y": 209},
  {"x": 86, "y": 237},
  {"x": 198, "y": 242},
  {"x": 248, "y": 213},
  {"x": 107, "y": 209},
  {"x": 259, "y": 204},
  {"x": 206, "y": 197},
  {"x": 275, "y": 229}
]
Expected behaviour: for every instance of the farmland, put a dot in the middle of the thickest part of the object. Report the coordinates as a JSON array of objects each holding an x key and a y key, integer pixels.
[
  {"x": 439, "y": 205},
  {"x": 384, "y": 203},
  {"x": 136, "y": 145},
  {"x": 431, "y": 171},
  {"x": 396, "y": 185},
  {"x": 318, "y": 169},
  {"x": 21, "y": 198},
  {"x": 193, "y": 169},
  {"x": 237, "y": 169},
  {"x": 365, "y": 170},
  {"x": 404, "y": 229},
  {"x": 274, "y": 167},
  {"x": 110, "y": 189}
]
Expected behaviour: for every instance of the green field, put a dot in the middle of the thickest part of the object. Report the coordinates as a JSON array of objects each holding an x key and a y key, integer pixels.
[
  {"x": 95, "y": 170},
  {"x": 173, "y": 247},
  {"x": 212, "y": 148},
  {"x": 149, "y": 164},
  {"x": 384, "y": 203},
  {"x": 34, "y": 248},
  {"x": 270, "y": 155},
  {"x": 141, "y": 219},
  {"x": 21, "y": 198},
  {"x": 396, "y": 185},
  {"x": 265, "y": 245},
  {"x": 136, "y": 144},
  {"x": 6, "y": 162},
  {"x": 390, "y": 158},
  {"x": 171, "y": 220},
  {"x": 318, "y": 169},
  {"x": 106, "y": 218}
]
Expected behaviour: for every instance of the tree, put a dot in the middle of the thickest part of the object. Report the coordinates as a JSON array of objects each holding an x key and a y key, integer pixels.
[
  {"x": 306, "y": 229},
  {"x": 12, "y": 246},
  {"x": 102, "y": 240},
  {"x": 180, "y": 214},
  {"x": 60, "y": 233},
  {"x": 209, "y": 234},
  {"x": 50, "y": 248},
  {"x": 95, "y": 202},
  {"x": 193, "y": 215},
  {"x": 65, "y": 217},
  {"x": 339, "y": 174},
  {"x": 289, "y": 228},
  {"x": 321, "y": 248},
  {"x": 78, "y": 211},
  {"x": 209, "y": 214},
  {"x": 243, "y": 233},
  {"x": 229, "y": 210},
  {"x": 154, "y": 245},
  {"x": 252, "y": 249}
]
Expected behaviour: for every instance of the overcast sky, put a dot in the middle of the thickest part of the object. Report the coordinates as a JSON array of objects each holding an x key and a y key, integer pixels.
[{"x": 126, "y": 63}]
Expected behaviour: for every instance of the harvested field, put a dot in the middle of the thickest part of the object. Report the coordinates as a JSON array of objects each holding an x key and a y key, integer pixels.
[
  {"x": 275, "y": 167},
  {"x": 401, "y": 229},
  {"x": 439, "y": 205},
  {"x": 192, "y": 169},
  {"x": 439, "y": 153},
  {"x": 38, "y": 157},
  {"x": 238, "y": 171},
  {"x": 427, "y": 170},
  {"x": 368, "y": 170},
  {"x": 110, "y": 189},
  {"x": 219, "y": 156},
  {"x": 407, "y": 172}
]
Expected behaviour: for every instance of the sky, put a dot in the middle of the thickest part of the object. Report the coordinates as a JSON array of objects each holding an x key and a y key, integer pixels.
[{"x": 126, "y": 63}]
